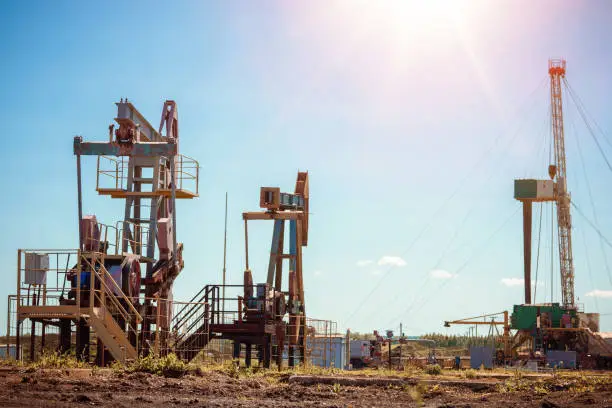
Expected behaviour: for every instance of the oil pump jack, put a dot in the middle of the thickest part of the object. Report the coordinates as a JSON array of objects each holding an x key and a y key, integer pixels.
[
  {"x": 268, "y": 316},
  {"x": 282, "y": 207},
  {"x": 105, "y": 294}
]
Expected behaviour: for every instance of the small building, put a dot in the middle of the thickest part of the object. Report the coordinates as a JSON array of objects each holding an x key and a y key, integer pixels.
[
  {"x": 9, "y": 351},
  {"x": 481, "y": 357},
  {"x": 327, "y": 351}
]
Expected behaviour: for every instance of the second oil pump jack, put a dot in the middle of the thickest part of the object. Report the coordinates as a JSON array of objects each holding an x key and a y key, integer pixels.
[{"x": 270, "y": 316}]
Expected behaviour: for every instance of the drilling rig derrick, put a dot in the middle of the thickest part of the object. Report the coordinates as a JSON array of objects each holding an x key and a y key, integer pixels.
[{"x": 553, "y": 190}]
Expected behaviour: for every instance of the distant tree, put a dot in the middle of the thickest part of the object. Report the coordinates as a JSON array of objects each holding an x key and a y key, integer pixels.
[{"x": 361, "y": 336}]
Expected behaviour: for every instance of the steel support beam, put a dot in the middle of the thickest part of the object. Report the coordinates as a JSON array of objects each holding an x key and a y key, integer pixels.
[
  {"x": 283, "y": 215},
  {"x": 527, "y": 216},
  {"x": 147, "y": 149}
]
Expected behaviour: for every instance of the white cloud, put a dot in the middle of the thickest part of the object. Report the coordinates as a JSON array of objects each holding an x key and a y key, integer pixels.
[
  {"x": 441, "y": 274},
  {"x": 510, "y": 282},
  {"x": 317, "y": 273},
  {"x": 363, "y": 263},
  {"x": 376, "y": 272},
  {"x": 513, "y": 281},
  {"x": 600, "y": 293},
  {"x": 391, "y": 260}
]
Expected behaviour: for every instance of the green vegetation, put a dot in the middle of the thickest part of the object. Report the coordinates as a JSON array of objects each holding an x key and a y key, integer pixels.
[
  {"x": 172, "y": 366},
  {"x": 361, "y": 336},
  {"x": 576, "y": 382},
  {"x": 56, "y": 360},
  {"x": 416, "y": 393},
  {"x": 470, "y": 373},
  {"x": 168, "y": 366},
  {"x": 433, "y": 369}
]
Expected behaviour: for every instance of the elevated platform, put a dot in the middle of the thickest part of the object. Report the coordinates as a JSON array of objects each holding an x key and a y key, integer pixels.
[
  {"x": 51, "y": 312},
  {"x": 120, "y": 193},
  {"x": 112, "y": 178},
  {"x": 244, "y": 329}
]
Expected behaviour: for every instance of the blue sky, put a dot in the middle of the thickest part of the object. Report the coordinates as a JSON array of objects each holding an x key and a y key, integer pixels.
[{"x": 393, "y": 107}]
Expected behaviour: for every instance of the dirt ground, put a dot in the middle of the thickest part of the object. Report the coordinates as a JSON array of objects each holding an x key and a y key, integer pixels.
[{"x": 106, "y": 388}]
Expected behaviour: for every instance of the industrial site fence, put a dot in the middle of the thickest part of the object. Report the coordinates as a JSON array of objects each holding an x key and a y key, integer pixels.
[
  {"x": 224, "y": 304},
  {"x": 154, "y": 325},
  {"x": 322, "y": 349}
]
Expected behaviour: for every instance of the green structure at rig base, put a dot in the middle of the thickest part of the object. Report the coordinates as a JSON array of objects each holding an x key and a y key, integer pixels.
[{"x": 524, "y": 317}]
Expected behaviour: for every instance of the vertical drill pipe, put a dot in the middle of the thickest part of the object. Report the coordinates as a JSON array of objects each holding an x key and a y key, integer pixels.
[
  {"x": 80, "y": 198},
  {"x": 246, "y": 243},
  {"x": 17, "y": 339},
  {"x": 527, "y": 212},
  {"x": 224, "y": 257},
  {"x": 173, "y": 198},
  {"x": 8, "y": 328},
  {"x": 33, "y": 333}
]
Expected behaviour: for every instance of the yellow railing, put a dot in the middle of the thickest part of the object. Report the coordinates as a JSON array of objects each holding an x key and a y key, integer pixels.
[
  {"x": 113, "y": 168},
  {"x": 140, "y": 237},
  {"x": 112, "y": 174},
  {"x": 104, "y": 277},
  {"x": 110, "y": 294},
  {"x": 115, "y": 236},
  {"x": 187, "y": 169}
]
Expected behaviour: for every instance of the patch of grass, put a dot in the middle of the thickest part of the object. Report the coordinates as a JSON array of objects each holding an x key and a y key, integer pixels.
[
  {"x": 335, "y": 388},
  {"x": 11, "y": 362},
  {"x": 417, "y": 393},
  {"x": 540, "y": 389},
  {"x": 575, "y": 382},
  {"x": 580, "y": 382},
  {"x": 56, "y": 360},
  {"x": 117, "y": 367},
  {"x": 232, "y": 369},
  {"x": 168, "y": 366},
  {"x": 434, "y": 391},
  {"x": 470, "y": 374},
  {"x": 516, "y": 383},
  {"x": 433, "y": 369}
]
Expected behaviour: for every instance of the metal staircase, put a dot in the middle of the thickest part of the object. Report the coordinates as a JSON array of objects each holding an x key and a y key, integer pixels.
[
  {"x": 192, "y": 322},
  {"x": 110, "y": 333},
  {"x": 597, "y": 344},
  {"x": 111, "y": 313}
]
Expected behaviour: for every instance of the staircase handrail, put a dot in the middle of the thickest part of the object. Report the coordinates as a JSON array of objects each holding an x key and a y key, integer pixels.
[
  {"x": 188, "y": 307},
  {"x": 106, "y": 276},
  {"x": 194, "y": 325}
]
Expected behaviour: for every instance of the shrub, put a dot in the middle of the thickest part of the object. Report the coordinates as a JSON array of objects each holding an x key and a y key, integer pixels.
[
  {"x": 433, "y": 369},
  {"x": 56, "y": 360},
  {"x": 168, "y": 366},
  {"x": 470, "y": 373}
]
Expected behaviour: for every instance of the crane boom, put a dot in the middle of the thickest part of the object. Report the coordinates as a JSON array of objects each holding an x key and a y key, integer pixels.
[{"x": 556, "y": 70}]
